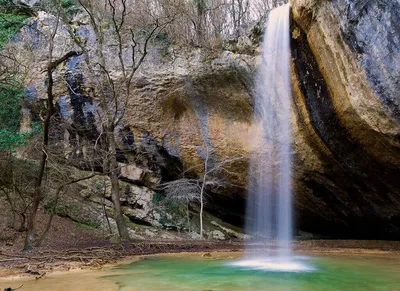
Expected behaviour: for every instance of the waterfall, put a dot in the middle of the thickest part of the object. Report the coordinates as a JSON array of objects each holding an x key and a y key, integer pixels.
[
  {"x": 269, "y": 203},
  {"x": 269, "y": 213}
]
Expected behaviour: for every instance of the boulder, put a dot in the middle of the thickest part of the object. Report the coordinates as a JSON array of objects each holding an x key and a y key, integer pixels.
[
  {"x": 217, "y": 234},
  {"x": 131, "y": 173}
]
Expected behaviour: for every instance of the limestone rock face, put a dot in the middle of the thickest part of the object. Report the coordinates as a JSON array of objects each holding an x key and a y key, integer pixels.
[
  {"x": 180, "y": 100},
  {"x": 346, "y": 151},
  {"x": 346, "y": 82}
]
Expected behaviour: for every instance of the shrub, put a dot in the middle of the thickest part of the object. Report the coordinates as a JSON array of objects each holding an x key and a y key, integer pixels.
[
  {"x": 10, "y": 113},
  {"x": 10, "y": 24}
]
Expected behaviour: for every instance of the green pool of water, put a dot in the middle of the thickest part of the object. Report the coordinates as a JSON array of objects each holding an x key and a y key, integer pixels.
[
  {"x": 193, "y": 272},
  {"x": 328, "y": 272}
]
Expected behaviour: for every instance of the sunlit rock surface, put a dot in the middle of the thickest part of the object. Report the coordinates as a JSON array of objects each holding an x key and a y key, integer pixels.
[{"x": 346, "y": 71}]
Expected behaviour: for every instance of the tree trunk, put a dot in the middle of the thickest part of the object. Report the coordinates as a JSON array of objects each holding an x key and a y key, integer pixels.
[
  {"x": 48, "y": 225},
  {"x": 200, "y": 22},
  {"x": 240, "y": 13},
  {"x": 234, "y": 16},
  {"x": 119, "y": 218},
  {"x": 106, "y": 216},
  {"x": 201, "y": 210},
  {"x": 53, "y": 212},
  {"x": 23, "y": 221},
  {"x": 188, "y": 216},
  {"x": 31, "y": 221},
  {"x": 37, "y": 196},
  {"x": 202, "y": 193},
  {"x": 104, "y": 208}
]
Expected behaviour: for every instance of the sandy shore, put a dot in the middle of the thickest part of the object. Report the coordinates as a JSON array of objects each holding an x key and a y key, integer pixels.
[{"x": 41, "y": 262}]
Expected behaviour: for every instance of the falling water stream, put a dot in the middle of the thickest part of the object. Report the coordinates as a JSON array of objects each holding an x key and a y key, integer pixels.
[{"x": 269, "y": 206}]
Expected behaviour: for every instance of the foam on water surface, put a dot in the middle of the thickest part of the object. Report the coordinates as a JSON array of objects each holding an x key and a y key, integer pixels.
[{"x": 275, "y": 264}]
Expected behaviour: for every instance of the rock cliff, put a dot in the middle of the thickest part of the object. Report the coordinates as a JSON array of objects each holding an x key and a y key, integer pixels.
[
  {"x": 346, "y": 119},
  {"x": 346, "y": 81}
]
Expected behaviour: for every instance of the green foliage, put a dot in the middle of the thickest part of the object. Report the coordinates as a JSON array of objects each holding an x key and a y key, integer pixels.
[
  {"x": 201, "y": 5},
  {"x": 157, "y": 198},
  {"x": 74, "y": 208},
  {"x": 70, "y": 7},
  {"x": 7, "y": 6},
  {"x": 13, "y": 7},
  {"x": 83, "y": 226},
  {"x": 35, "y": 129},
  {"x": 171, "y": 212},
  {"x": 162, "y": 38},
  {"x": 11, "y": 97},
  {"x": 11, "y": 140},
  {"x": 62, "y": 211},
  {"x": 10, "y": 110},
  {"x": 10, "y": 100},
  {"x": 67, "y": 3},
  {"x": 144, "y": 32},
  {"x": 72, "y": 211},
  {"x": 175, "y": 208},
  {"x": 10, "y": 24},
  {"x": 87, "y": 224},
  {"x": 49, "y": 205}
]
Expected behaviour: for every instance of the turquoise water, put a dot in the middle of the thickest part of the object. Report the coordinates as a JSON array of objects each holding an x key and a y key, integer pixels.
[{"x": 333, "y": 272}]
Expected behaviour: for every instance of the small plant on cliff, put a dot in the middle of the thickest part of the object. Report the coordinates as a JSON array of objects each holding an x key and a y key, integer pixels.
[
  {"x": 10, "y": 24},
  {"x": 182, "y": 191},
  {"x": 10, "y": 137},
  {"x": 10, "y": 98},
  {"x": 70, "y": 7}
]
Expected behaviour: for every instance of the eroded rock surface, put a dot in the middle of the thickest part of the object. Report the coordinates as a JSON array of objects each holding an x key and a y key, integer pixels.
[{"x": 346, "y": 72}]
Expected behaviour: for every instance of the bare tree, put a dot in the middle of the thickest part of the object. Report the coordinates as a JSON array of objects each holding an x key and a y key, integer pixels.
[
  {"x": 187, "y": 190},
  {"x": 17, "y": 185},
  {"x": 239, "y": 13},
  {"x": 59, "y": 190},
  {"x": 183, "y": 191},
  {"x": 112, "y": 93},
  {"x": 259, "y": 9},
  {"x": 37, "y": 195}
]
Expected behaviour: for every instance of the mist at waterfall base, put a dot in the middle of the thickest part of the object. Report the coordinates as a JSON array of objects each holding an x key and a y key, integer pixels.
[{"x": 269, "y": 203}]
